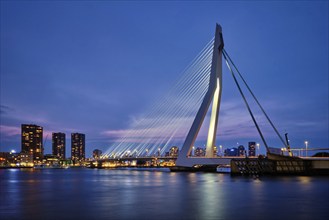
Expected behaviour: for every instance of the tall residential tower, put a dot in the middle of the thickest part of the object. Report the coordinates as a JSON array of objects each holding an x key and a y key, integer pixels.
[
  {"x": 252, "y": 149},
  {"x": 77, "y": 147},
  {"x": 32, "y": 140},
  {"x": 59, "y": 145}
]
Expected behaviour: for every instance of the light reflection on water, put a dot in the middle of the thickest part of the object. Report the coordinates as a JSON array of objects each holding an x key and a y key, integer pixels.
[{"x": 133, "y": 194}]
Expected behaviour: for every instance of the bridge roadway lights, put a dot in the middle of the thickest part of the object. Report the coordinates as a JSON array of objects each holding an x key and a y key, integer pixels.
[
  {"x": 134, "y": 161},
  {"x": 195, "y": 161}
]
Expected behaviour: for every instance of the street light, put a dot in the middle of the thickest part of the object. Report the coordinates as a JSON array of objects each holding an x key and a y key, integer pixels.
[{"x": 306, "y": 143}]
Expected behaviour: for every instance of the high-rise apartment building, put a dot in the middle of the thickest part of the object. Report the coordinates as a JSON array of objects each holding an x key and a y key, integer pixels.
[
  {"x": 77, "y": 148},
  {"x": 241, "y": 151},
  {"x": 252, "y": 149},
  {"x": 58, "y": 142},
  {"x": 32, "y": 140}
]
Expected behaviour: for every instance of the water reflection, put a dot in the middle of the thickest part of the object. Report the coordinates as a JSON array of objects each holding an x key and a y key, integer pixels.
[
  {"x": 211, "y": 199},
  {"x": 127, "y": 194}
]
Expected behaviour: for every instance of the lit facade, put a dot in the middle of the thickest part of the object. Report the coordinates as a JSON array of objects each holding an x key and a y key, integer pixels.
[
  {"x": 25, "y": 159},
  {"x": 199, "y": 152},
  {"x": 252, "y": 149},
  {"x": 231, "y": 152},
  {"x": 97, "y": 153},
  {"x": 241, "y": 151},
  {"x": 32, "y": 140},
  {"x": 58, "y": 145},
  {"x": 215, "y": 151},
  {"x": 213, "y": 95},
  {"x": 77, "y": 148},
  {"x": 173, "y": 151}
]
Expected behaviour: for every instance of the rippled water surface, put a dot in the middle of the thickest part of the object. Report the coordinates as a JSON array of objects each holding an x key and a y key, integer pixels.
[{"x": 79, "y": 193}]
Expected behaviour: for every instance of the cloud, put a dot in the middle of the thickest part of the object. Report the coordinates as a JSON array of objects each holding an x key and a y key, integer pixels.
[
  {"x": 10, "y": 131},
  {"x": 145, "y": 128},
  {"x": 4, "y": 109},
  {"x": 23, "y": 115}
]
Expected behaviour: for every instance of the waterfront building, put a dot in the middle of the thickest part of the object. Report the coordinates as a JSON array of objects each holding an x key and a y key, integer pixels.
[
  {"x": 58, "y": 145},
  {"x": 32, "y": 140},
  {"x": 3, "y": 158},
  {"x": 232, "y": 152},
  {"x": 173, "y": 152},
  {"x": 252, "y": 149},
  {"x": 77, "y": 148},
  {"x": 199, "y": 152},
  {"x": 97, "y": 153},
  {"x": 215, "y": 151},
  {"x": 50, "y": 160},
  {"x": 9, "y": 158},
  {"x": 25, "y": 159},
  {"x": 6, "y": 158},
  {"x": 241, "y": 151}
]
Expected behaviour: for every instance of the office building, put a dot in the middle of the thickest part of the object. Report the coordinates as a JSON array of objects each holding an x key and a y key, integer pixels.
[
  {"x": 32, "y": 140},
  {"x": 252, "y": 149},
  {"x": 58, "y": 141},
  {"x": 77, "y": 148}
]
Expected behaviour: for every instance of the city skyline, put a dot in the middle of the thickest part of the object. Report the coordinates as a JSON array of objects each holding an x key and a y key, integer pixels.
[{"x": 72, "y": 68}]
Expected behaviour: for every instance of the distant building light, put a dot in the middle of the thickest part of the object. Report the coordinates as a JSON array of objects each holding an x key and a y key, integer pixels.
[{"x": 12, "y": 151}]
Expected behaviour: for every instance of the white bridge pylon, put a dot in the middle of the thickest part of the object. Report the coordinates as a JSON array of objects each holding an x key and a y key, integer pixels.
[{"x": 213, "y": 95}]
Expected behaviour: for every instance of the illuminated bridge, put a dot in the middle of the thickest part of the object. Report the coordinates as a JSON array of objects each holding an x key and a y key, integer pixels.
[{"x": 176, "y": 119}]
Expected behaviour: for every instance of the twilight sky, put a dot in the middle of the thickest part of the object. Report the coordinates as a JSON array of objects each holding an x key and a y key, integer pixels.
[{"x": 96, "y": 67}]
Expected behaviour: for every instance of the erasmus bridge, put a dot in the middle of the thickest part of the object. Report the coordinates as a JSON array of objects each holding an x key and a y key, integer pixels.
[{"x": 176, "y": 119}]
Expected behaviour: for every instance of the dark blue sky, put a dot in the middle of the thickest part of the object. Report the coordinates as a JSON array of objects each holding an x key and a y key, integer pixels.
[{"x": 93, "y": 67}]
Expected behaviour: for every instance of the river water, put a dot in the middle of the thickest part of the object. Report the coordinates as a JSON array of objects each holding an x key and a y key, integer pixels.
[{"x": 81, "y": 193}]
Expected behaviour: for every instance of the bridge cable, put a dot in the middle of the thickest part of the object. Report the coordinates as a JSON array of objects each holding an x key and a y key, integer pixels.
[
  {"x": 165, "y": 115},
  {"x": 245, "y": 100},
  {"x": 260, "y": 106}
]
